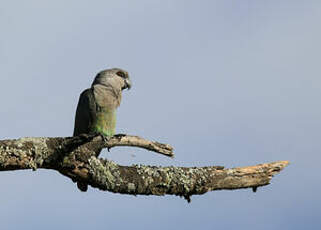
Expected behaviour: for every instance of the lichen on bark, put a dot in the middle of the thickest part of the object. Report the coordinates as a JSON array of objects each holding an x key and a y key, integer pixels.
[{"x": 76, "y": 158}]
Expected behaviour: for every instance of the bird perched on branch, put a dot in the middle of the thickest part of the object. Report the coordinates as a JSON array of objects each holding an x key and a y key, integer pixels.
[{"x": 96, "y": 110}]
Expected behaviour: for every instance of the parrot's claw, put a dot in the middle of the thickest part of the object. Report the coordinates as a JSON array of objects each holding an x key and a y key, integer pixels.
[{"x": 105, "y": 138}]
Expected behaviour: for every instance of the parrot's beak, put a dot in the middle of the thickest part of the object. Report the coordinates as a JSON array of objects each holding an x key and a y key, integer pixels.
[{"x": 128, "y": 84}]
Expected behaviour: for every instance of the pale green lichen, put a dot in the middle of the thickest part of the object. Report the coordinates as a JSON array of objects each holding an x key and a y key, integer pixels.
[
  {"x": 33, "y": 146},
  {"x": 131, "y": 187},
  {"x": 66, "y": 161},
  {"x": 104, "y": 173}
]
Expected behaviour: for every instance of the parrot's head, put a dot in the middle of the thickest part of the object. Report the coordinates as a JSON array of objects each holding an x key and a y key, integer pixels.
[{"x": 115, "y": 78}]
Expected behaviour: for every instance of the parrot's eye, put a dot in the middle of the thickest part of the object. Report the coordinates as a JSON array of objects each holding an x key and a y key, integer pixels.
[{"x": 121, "y": 74}]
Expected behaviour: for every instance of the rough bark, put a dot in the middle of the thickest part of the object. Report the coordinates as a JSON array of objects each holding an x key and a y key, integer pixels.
[{"x": 76, "y": 158}]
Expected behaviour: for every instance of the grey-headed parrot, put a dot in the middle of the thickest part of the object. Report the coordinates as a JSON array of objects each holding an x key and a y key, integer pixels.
[{"x": 96, "y": 110}]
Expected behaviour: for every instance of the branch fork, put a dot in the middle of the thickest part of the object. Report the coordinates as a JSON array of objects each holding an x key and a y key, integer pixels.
[{"x": 77, "y": 158}]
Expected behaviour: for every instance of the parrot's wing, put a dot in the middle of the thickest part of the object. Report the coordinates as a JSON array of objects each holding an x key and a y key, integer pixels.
[{"x": 85, "y": 113}]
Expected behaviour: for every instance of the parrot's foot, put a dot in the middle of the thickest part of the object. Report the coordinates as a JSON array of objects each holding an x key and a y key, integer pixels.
[{"x": 105, "y": 138}]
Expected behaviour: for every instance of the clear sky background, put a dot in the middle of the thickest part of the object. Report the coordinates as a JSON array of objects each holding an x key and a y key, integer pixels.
[{"x": 231, "y": 83}]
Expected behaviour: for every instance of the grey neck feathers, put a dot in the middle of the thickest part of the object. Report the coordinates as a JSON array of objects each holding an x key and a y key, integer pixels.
[{"x": 106, "y": 95}]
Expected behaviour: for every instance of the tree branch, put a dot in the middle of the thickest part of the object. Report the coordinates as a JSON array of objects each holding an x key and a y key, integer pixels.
[
  {"x": 76, "y": 158},
  {"x": 135, "y": 141}
]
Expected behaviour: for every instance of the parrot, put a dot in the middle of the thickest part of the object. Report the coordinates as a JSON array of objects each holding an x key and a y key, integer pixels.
[{"x": 96, "y": 109}]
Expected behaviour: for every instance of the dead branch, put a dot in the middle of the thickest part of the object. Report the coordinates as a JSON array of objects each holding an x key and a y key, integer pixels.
[
  {"x": 76, "y": 158},
  {"x": 135, "y": 141}
]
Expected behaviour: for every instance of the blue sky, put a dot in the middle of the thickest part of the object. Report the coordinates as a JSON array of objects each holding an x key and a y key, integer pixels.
[{"x": 225, "y": 82}]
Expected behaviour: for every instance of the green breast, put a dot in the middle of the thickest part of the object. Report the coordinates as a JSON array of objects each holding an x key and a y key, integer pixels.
[{"x": 105, "y": 122}]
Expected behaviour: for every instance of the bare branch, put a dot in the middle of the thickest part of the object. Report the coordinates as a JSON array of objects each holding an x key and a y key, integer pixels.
[
  {"x": 75, "y": 157},
  {"x": 135, "y": 141}
]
